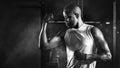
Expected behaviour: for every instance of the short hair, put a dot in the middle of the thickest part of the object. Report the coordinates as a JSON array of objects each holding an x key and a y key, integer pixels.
[{"x": 70, "y": 7}]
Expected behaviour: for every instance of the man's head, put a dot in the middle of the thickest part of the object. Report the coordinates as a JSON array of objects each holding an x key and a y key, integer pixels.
[{"x": 72, "y": 14}]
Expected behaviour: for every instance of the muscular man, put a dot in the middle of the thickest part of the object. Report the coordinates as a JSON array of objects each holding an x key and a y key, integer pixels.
[{"x": 85, "y": 44}]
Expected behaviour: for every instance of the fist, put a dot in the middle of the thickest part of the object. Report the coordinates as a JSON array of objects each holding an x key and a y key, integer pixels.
[{"x": 79, "y": 56}]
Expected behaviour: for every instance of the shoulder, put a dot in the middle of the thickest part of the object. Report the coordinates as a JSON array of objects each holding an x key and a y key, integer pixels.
[
  {"x": 68, "y": 32},
  {"x": 95, "y": 30},
  {"x": 97, "y": 33},
  {"x": 88, "y": 26}
]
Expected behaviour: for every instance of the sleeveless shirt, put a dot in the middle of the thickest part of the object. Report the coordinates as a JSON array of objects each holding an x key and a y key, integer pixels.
[{"x": 80, "y": 39}]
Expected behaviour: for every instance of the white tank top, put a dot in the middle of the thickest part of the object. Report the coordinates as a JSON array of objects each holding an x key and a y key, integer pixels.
[{"x": 83, "y": 40}]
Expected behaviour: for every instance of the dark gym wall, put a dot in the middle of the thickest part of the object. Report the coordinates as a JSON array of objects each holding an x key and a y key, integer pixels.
[{"x": 19, "y": 30}]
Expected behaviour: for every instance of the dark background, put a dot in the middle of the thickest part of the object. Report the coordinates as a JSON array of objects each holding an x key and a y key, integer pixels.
[
  {"x": 20, "y": 26},
  {"x": 19, "y": 31}
]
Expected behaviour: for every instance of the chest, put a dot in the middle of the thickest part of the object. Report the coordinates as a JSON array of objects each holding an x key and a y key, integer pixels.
[{"x": 81, "y": 38}]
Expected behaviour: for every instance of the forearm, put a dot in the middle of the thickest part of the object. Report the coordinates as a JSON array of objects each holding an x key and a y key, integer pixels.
[
  {"x": 93, "y": 57},
  {"x": 97, "y": 57},
  {"x": 45, "y": 41},
  {"x": 44, "y": 37}
]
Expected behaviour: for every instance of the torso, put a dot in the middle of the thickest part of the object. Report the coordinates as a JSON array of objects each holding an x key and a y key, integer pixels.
[{"x": 80, "y": 39}]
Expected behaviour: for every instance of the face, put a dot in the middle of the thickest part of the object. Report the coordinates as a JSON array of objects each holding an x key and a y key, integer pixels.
[{"x": 71, "y": 18}]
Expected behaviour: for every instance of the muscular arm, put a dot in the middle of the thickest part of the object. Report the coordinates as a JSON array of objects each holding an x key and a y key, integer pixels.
[
  {"x": 52, "y": 43},
  {"x": 101, "y": 45}
]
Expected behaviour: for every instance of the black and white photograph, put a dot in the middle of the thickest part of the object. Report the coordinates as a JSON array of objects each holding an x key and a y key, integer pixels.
[{"x": 60, "y": 34}]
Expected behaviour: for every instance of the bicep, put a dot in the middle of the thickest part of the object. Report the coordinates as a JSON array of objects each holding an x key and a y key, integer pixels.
[{"x": 101, "y": 42}]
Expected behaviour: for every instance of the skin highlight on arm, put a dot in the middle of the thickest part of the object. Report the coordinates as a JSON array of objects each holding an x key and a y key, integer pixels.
[{"x": 102, "y": 45}]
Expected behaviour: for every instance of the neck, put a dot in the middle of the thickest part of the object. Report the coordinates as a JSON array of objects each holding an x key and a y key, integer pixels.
[{"x": 80, "y": 23}]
